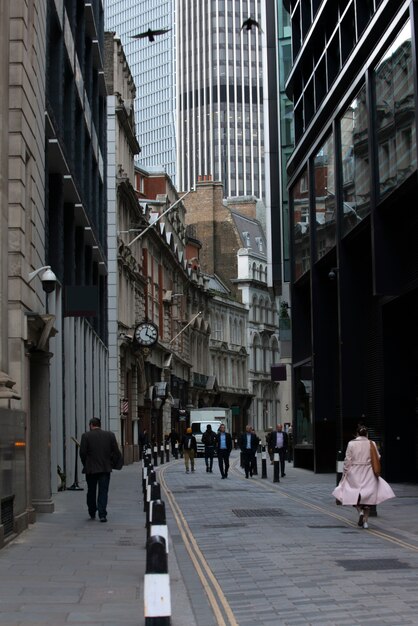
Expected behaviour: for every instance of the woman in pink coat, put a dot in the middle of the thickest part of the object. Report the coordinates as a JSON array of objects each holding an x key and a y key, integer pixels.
[{"x": 359, "y": 486}]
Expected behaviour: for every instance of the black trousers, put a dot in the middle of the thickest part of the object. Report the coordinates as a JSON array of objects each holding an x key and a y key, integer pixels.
[
  {"x": 223, "y": 461},
  {"x": 282, "y": 458},
  {"x": 209, "y": 452},
  {"x": 97, "y": 491},
  {"x": 248, "y": 461}
]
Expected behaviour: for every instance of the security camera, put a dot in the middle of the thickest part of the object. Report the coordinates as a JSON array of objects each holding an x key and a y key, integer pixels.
[
  {"x": 49, "y": 281},
  {"x": 332, "y": 275}
]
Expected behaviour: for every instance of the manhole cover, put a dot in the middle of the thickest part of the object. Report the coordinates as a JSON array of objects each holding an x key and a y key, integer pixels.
[
  {"x": 257, "y": 512},
  {"x": 358, "y": 565}
]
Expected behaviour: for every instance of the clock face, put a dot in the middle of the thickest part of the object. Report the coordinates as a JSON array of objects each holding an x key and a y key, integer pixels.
[{"x": 146, "y": 334}]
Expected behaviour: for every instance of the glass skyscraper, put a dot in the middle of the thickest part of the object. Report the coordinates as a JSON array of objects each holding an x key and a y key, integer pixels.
[
  {"x": 199, "y": 89},
  {"x": 152, "y": 65}
]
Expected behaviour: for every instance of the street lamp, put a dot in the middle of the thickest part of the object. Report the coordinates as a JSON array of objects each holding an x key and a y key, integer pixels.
[{"x": 157, "y": 403}]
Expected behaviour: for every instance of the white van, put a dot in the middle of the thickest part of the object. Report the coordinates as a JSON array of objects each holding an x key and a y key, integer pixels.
[{"x": 199, "y": 427}]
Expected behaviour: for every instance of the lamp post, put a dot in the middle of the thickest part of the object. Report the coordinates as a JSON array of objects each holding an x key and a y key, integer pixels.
[{"x": 157, "y": 404}]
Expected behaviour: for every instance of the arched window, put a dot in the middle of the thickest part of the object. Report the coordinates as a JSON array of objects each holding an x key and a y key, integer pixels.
[
  {"x": 262, "y": 311},
  {"x": 266, "y": 354},
  {"x": 256, "y": 351},
  {"x": 255, "y": 309},
  {"x": 254, "y": 272}
]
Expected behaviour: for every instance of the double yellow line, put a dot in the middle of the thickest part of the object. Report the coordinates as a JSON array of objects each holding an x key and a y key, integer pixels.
[{"x": 219, "y": 604}]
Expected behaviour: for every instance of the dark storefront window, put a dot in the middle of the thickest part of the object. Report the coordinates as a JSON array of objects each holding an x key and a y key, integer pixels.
[
  {"x": 325, "y": 207},
  {"x": 301, "y": 234},
  {"x": 395, "y": 113},
  {"x": 355, "y": 162},
  {"x": 303, "y": 388}
]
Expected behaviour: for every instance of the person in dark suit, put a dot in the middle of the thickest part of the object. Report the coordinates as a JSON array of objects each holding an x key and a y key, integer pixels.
[
  {"x": 280, "y": 443},
  {"x": 248, "y": 444},
  {"x": 223, "y": 450},
  {"x": 99, "y": 454},
  {"x": 209, "y": 439}
]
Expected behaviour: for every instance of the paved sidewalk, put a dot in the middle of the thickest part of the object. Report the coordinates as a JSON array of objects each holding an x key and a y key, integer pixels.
[{"x": 67, "y": 569}]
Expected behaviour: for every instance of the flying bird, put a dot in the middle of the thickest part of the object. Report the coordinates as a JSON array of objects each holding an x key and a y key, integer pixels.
[
  {"x": 249, "y": 23},
  {"x": 151, "y": 34}
]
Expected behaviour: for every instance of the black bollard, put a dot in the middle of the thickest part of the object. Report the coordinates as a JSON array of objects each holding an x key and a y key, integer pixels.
[
  {"x": 276, "y": 466},
  {"x": 157, "y": 520},
  {"x": 153, "y": 493},
  {"x": 162, "y": 454},
  {"x": 151, "y": 478},
  {"x": 176, "y": 451},
  {"x": 167, "y": 452},
  {"x": 157, "y": 598},
  {"x": 155, "y": 455},
  {"x": 263, "y": 462},
  {"x": 339, "y": 470}
]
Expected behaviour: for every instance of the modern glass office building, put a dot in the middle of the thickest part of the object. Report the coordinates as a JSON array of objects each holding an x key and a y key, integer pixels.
[
  {"x": 220, "y": 96},
  {"x": 152, "y": 64},
  {"x": 353, "y": 188},
  {"x": 199, "y": 89}
]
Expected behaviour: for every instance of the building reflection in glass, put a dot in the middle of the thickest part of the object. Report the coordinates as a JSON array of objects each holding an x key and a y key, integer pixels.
[
  {"x": 303, "y": 388},
  {"x": 355, "y": 162},
  {"x": 325, "y": 206},
  {"x": 395, "y": 113},
  {"x": 301, "y": 234}
]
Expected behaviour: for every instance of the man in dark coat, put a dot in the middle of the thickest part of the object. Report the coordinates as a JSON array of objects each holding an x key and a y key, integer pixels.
[
  {"x": 223, "y": 450},
  {"x": 99, "y": 454},
  {"x": 248, "y": 444},
  {"x": 280, "y": 442},
  {"x": 209, "y": 440}
]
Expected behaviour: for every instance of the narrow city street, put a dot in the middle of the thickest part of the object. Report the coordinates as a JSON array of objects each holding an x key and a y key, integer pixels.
[{"x": 248, "y": 552}]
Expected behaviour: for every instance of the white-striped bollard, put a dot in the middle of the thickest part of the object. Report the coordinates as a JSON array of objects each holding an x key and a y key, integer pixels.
[
  {"x": 276, "y": 476},
  {"x": 263, "y": 462},
  {"x": 157, "y": 595}
]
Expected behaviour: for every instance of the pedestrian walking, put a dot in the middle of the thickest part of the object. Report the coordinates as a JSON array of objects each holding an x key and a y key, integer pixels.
[
  {"x": 189, "y": 449},
  {"x": 280, "y": 442},
  {"x": 173, "y": 438},
  {"x": 270, "y": 443},
  {"x": 209, "y": 440},
  {"x": 223, "y": 450},
  {"x": 99, "y": 454},
  {"x": 359, "y": 486},
  {"x": 248, "y": 444}
]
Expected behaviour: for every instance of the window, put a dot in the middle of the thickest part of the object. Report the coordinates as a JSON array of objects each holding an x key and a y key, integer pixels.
[
  {"x": 395, "y": 113},
  {"x": 301, "y": 235},
  {"x": 325, "y": 206}
]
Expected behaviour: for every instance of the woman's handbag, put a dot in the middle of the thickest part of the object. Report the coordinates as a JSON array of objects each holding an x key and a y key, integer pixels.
[{"x": 375, "y": 461}]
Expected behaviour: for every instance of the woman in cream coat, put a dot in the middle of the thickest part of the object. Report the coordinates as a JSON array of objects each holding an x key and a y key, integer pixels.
[{"x": 359, "y": 486}]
